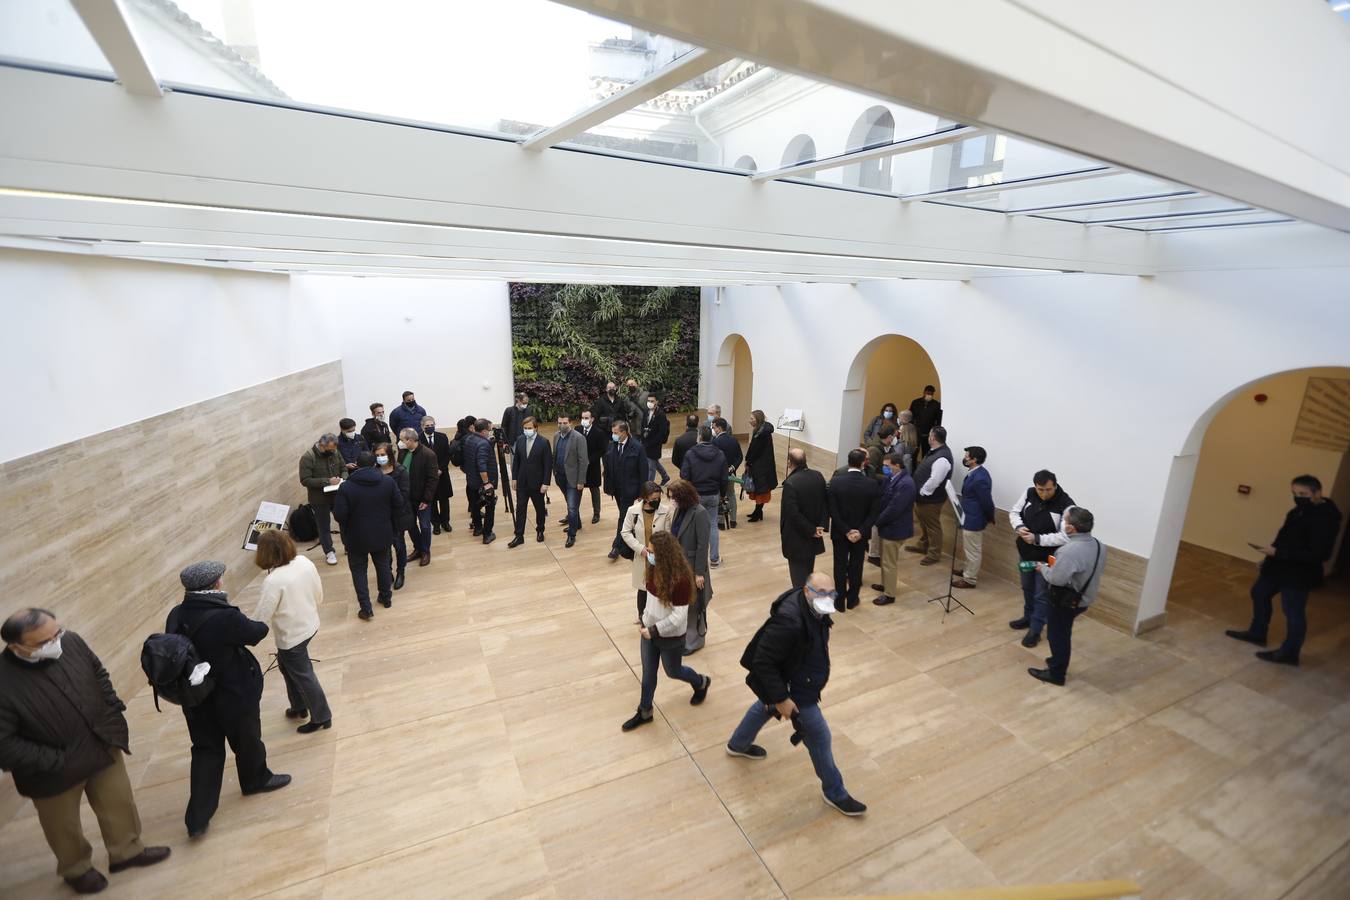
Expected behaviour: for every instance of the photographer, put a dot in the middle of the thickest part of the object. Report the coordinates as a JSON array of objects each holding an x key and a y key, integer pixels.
[
  {"x": 1073, "y": 579},
  {"x": 480, "y": 477}
]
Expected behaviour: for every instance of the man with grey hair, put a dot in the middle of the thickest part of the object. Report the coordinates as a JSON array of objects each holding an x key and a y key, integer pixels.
[
  {"x": 322, "y": 467},
  {"x": 1073, "y": 582},
  {"x": 907, "y": 437},
  {"x": 63, "y": 736},
  {"x": 714, "y": 413}
]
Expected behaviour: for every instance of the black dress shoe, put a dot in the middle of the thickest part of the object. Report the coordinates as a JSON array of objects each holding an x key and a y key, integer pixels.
[
  {"x": 853, "y": 602},
  {"x": 147, "y": 857},
  {"x": 595, "y": 519},
  {"x": 294, "y": 713},
  {"x": 515, "y": 542},
  {"x": 539, "y": 537},
  {"x": 447, "y": 528},
  {"x": 475, "y": 531},
  {"x": 1044, "y": 675},
  {"x": 1251, "y": 638},
  {"x": 275, "y": 783},
  {"x": 563, "y": 520},
  {"x": 1276, "y": 656},
  {"x": 365, "y": 615},
  {"x": 879, "y": 587},
  {"x": 195, "y": 833},
  {"x": 874, "y": 560},
  {"x": 386, "y": 602},
  {"x": 435, "y": 529},
  {"x": 398, "y": 580},
  {"x": 489, "y": 538},
  {"x": 1030, "y": 640},
  {"x": 416, "y": 554},
  {"x": 311, "y": 727},
  {"x": 570, "y": 542},
  {"x": 884, "y": 600},
  {"x": 1019, "y": 624},
  {"x": 91, "y": 882},
  {"x": 637, "y": 721},
  {"x": 701, "y": 693},
  {"x": 733, "y": 525}
]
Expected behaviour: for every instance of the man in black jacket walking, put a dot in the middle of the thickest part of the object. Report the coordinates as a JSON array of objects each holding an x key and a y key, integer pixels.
[
  {"x": 440, "y": 445},
  {"x": 597, "y": 443},
  {"x": 725, "y": 441},
  {"x": 63, "y": 735},
  {"x": 805, "y": 516},
  {"x": 855, "y": 503},
  {"x": 480, "y": 478},
  {"x": 368, "y": 507},
  {"x": 221, "y": 635},
  {"x": 531, "y": 475},
  {"x": 1291, "y": 568},
  {"x": 789, "y": 664}
]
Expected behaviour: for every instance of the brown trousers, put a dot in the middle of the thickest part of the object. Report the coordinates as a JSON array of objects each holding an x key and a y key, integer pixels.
[
  {"x": 930, "y": 528},
  {"x": 109, "y": 793}
]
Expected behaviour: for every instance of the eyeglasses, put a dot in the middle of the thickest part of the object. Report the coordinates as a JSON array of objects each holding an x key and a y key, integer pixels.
[
  {"x": 47, "y": 643},
  {"x": 829, "y": 595}
]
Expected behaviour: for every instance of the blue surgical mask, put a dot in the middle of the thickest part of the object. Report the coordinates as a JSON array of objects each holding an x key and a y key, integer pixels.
[
  {"x": 529, "y": 432},
  {"x": 887, "y": 470},
  {"x": 615, "y": 438},
  {"x": 382, "y": 460},
  {"x": 651, "y": 558},
  {"x": 888, "y": 414}
]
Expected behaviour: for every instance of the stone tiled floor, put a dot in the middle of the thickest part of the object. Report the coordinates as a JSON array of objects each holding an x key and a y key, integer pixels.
[{"x": 476, "y": 750}]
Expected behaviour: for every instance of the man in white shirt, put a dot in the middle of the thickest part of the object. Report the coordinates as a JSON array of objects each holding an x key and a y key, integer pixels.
[{"x": 932, "y": 476}]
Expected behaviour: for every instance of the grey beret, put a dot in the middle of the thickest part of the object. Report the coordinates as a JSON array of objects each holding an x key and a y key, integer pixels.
[{"x": 201, "y": 576}]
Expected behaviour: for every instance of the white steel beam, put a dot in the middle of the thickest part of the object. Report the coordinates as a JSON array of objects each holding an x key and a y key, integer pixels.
[
  {"x": 1016, "y": 184},
  {"x": 1168, "y": 197},
  {"x": 909, "y": 145},
  {"x": 691, "y": 65},
  {"x": 110, "y": 27}
]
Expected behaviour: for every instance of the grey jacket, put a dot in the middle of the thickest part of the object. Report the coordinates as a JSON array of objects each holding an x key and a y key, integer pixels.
[
  {"x": 574, "y": 459},
  {"x": 1074, "y": 566}
]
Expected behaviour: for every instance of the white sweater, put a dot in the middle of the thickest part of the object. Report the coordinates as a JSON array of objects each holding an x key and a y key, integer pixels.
[
  {"x": 662, "y": 620},
  {"x": 290, "y": 602}
]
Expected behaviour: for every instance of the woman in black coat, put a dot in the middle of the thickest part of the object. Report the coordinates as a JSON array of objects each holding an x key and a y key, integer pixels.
[
  {"x": 384, "y": 459},
  {"x": 760, "y": 465}
]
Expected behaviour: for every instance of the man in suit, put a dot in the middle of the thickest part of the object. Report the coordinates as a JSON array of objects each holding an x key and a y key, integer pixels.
[
  {"x": 609, "y": 408},
  {"x": 367, "y": 509},
  {"x": 531, "y": 474},
  {"x": 725, "y": 441},
  {"x": 440, "y": 445},
  {"x": 423, "y": 475},
  {"x": 685, "y": 442},
  {"x": 625, "y": 471},
  {"x": 597, "y": 442},
  {"x": 513, "y": 420},
  {"x": 655, "y": 433},
  {"x": 570, "y": 461},
  {"x": 855, "y": 503},
  {"x": 977, "y": 514},
  {"x": 806, "y": 514},
  {"x": 480, "y": 477}
]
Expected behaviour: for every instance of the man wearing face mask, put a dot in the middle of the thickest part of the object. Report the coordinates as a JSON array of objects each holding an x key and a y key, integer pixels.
[
  {"x": 895, "y": 523},
  {"x": 480, "y": 478},
  {"x": 637, "y": 399},
  {"x": 977, "y": 514},
  {"x": 789, "y": 664},
  {"x": 513, "y": 420},
  {"x": 369, "y": 508},
  {"x": 625, "y": 471},
  {"x": 376, "y": 430},
  {"x": 63, "y": 736},
  {"x": 597, "y": 442},
  {"x": 1292, "y": 566},
  {"x": 423, "y": 476},
  {"x": 569, "y": 471},
  {"x": 350, "y": 444},
  {"x": 440, "y": 445},
  {"x": 322, "y": 467},
  {"x": 409, "y": 415},
  {"x": 531, "y": 475}
]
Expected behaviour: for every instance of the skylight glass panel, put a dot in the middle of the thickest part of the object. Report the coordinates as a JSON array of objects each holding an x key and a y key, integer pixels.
[{"x": 49, "y": 33}]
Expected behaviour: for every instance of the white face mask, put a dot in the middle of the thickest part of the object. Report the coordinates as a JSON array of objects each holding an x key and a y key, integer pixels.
[
  {"x": 382, "y": 460},
  {"x": 50, "y": 650},
  {"x": 380, "y": 417},
  {"x": 651, "y": 406},
  {"x": 529, "y": 432},
  {"x": 585, "y": 423},
  {"x": 349, "y": 434},
  {"x": 823, "y": 606}
]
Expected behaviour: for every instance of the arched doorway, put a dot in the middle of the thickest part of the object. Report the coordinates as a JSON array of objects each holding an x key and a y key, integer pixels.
[
  {"x": 889, "y": 368},
  {"x": 746, "y": 163},
  {"x": 1230, "y": 485},
  {"x": 800, "y": 149},
  {"x": 733, "y": 382},
  {"x": 874, "y": 127}
]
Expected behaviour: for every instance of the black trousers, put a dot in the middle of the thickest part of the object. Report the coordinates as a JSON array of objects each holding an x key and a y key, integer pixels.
[
  {"x": 1059, "y": 631},
  {"x": 535, "y": 497},
  {"x": 848, "y": 569},
  {"x": 441, "y": 516},
  {"x": 800, "y": 569},
  {"x": 623, "y": 503},
  {"x": 483, "y": 509},
  {"x": 221, "y": 719},
  {"x": 357, "y": 561},
  {"x": 595, "y": 499}
]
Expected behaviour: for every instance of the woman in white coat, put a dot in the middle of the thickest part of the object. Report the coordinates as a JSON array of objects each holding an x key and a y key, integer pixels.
[
  {"x": 291, "y": 594},
  {"x": 642, "y": 521}
]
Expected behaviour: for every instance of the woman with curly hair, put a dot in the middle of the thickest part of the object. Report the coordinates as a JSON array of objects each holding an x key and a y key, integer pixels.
[
  {"x": 670, "y": 586},
  {"x": 760, "y": 465},
  {"x": 692, "y": 527}
]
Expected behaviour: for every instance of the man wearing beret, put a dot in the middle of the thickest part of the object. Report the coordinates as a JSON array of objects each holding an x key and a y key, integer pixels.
[
  {"x": 222, "y": 635},
  {"x": 63, "y": 735}
]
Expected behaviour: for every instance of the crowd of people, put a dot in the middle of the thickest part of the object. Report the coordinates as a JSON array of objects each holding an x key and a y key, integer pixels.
[{"x": 62, "y": 729}]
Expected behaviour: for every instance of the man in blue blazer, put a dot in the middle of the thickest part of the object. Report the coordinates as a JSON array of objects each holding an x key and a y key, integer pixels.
[
  {"x": 625, "y": 472},
  {"x": 977, "y": 508},
  {"x": 531, "y": 475}
]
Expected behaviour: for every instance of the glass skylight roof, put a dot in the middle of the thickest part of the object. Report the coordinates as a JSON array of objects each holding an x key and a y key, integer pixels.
[{"x": 48, "y": 32}]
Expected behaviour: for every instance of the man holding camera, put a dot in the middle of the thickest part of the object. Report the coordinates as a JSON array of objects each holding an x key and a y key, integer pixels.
[
  {"x": 480, "y": 477},
  {"x": 1073, "y": 579}
]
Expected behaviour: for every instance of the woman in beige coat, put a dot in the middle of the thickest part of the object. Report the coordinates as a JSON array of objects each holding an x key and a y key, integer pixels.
[{"x": 642, "y": 521}]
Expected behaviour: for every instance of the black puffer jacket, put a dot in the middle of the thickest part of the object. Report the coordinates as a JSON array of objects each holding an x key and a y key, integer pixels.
[
  {"x": 59, "y": 719},
  {"x": 790, "y": 654}
]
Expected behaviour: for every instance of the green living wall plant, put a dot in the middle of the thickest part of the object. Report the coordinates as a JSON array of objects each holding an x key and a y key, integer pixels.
[{"x": 567, "y": 340}]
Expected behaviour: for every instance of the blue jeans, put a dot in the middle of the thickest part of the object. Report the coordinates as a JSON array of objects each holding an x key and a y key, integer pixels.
[
  {"x": 654, "y": 466},
  {"x": 1035, "y": 599},
  {"x": 1294, "y": 602},
  {"x": 422, "y": 530},
  {"x": 815, "y": 735},
  {"x": 573, "y": 497},
  {"x": 710, "y": 502},
  {"x": 670, "y": 658}
]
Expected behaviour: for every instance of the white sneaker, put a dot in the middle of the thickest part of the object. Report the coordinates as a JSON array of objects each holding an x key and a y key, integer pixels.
[{"x": 331, "y": 558}]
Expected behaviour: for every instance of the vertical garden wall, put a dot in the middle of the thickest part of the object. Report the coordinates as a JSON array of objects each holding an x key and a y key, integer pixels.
[{"x": 567, "y": 340}]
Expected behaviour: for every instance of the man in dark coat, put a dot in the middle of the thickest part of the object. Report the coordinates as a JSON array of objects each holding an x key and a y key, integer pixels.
[
  {"x": 409, "y": 415},
  {"x": 63, "y": 735},
  {"x": 423, "y": 477},
  {"x": 685, "y": 442},
  {"x": 855, "y": 503},
  {"x": 608, "y": 408},
  {"x": 480, "y": 478},
  {"x": 725, "y": 441},
  {"x": 789, "y": 664},
  {"x": 368, "y": 509},
  {"x": 597, "y": 443},
  {"x": 927, "y": 412},
  {"x": 625, "y": 471},
  {"x": 655, "y": 433},
  {"x": 376, "y": 430},
  {"x": 350, "y": 444},
  {"x": 440, "y": 445},
  {"x": 531, "y": 475},
  {"x": 1291, "y": 568},
  {"x": 513, "y": 420},
  {"x": 805, "y": 516},
  {"x": 321, "y": 467},
  {"x": 705, "y": 468},
  {"x": 221, "y": 635}
]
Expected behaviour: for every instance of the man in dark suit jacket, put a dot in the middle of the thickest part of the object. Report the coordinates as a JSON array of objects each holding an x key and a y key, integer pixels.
[
  {"x": 608, "y": 408},
  {"x": 655, "y": 433},
  {"x": 368, "y": 508},
  {"x": 571, "y": 459},
  {"x": 440, "y": 445},
  {"x": 625, "y": 471},
  {"x": 513, "y": 420},
  {"x": 805, "y": 516},
  {"x": 855, "y": 503},
  {"x": 531, "y": 474},
  {"x": 597, "y": 444},
  {"x": 423, "y": 476},
  {"x": 685, "y": 442}
]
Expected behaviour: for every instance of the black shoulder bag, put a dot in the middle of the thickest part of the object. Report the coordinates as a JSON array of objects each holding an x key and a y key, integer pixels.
[{"x": 1064, "y": 596}]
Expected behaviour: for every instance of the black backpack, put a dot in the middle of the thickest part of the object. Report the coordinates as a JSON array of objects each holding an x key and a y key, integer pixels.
[
  {"x": 457, "y": 453},
  {"x": 167, "y": 660},
  {"x": 303, "y": 525}
]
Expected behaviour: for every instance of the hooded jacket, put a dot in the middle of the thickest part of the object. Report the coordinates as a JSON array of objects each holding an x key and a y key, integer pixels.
[
  {"x": 368, "y": 510},
  {"x": 705, "y": 468}
]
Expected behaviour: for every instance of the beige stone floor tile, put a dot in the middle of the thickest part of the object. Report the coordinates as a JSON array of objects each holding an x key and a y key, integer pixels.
[
  {"x": 525, "y": 657},
  {"x": 927, "y": 860},
  {"x": 1038, "y": 829},
  {"x": 1144, "y": 676},
  {"x": 711, "y": 723},
  {"x": 1160, "y": 869},
  {"x": 1326, "y": 882},
  {"x": 1232, "y": 721}
]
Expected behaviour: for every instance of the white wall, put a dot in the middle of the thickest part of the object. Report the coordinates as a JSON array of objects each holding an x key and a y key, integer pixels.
[
  {"x": 1101, "y": 378},
  {"x": 448, "y": 341},
  {"x": 94, "y": 344}
]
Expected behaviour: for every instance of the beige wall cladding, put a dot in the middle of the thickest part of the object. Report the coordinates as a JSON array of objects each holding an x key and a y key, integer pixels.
[{"x": 97, "y": 530}]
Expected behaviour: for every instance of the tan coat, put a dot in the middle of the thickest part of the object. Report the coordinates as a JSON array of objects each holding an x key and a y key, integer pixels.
[{"x": 634, "y": 535}]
